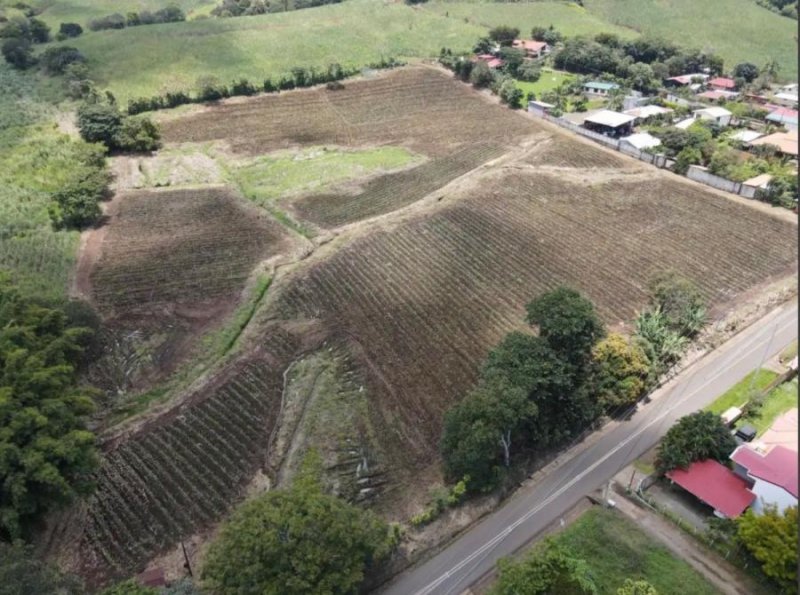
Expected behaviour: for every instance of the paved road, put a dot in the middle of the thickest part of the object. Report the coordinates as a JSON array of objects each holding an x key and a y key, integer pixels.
[{"x": 536, "y": 506}]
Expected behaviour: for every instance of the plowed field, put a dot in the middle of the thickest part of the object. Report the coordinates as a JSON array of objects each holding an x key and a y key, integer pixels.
[
  {"x": 412, "y": 302},
  {"x": 419, "y": 108}
]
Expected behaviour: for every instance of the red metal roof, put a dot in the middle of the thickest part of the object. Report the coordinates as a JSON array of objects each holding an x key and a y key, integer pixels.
[
  {"x": 529, "y": 44},
  {"x": 716, "y": 485},
  {"x": 778, "y": 466},
  {"x": 786, "y": 112},
  {"x": 712, "y": 95},
  {"x": 723, "y": 82}
]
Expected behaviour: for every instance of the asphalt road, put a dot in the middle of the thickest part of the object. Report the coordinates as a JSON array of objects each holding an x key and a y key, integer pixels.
[{"x": 536, "y": 506}]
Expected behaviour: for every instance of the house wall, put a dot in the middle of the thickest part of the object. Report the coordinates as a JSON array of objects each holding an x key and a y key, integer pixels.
[{"x": 768, "y": 493}]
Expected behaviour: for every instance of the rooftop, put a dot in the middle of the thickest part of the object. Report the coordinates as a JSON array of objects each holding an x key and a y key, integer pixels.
[
  {"x": 782, "y": 432},
  {"x": 723, "y": 82},
  {"x": 608, "y": 118},
  {"x": 714, "y": 95},
  {"x": 601, "y": 85},
  {"x": 785, "y": 141},
  {"x": 714, "y": 112},
  {"x": 530, "y": 44},
  {"x": 642, "y": 140},
  {"x": 759, "y": 181},
  {"x": 716, "y": 485},
  {"x": 685, "y": 79},
  {"x": 647, "y": 111},
  {"x": 778, "y": 466},
  {"x": 783, "y": 114},
  {"x": 684, "y": 124},
  {"x": 746, "y": 136}
]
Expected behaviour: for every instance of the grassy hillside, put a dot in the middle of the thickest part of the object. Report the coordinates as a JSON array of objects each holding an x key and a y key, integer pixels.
[
  {"x": 148, "y": 60},
  {"x": 568, "y": 18},
  {"x": 739, "y": 30}
]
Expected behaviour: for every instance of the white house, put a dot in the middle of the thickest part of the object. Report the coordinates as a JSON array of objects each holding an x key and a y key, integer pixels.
[
  {"x": 773, "y": 475},
  {"x": 715, "y": 114},
  {"x": 532, "y": 48}
]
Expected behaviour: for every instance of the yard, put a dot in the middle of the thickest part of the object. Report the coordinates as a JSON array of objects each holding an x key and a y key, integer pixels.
[
  {"x": 615, "y": 549},
  {"x": 778, "y": 401},
  {"x": 549, "y": 80}
]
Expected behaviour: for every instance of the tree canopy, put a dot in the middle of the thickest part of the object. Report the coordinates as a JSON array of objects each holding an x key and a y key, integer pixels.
[
  {"x": 681, "y": 302},
  {"x": 567, "y": 321},
  {"x": 771, "y": 538},
  {"x": 695, "y": 437},
  {"x": 503, "y": 34},
  {"x": 22, "y": 573},
  {"x": 296, "y": 541},
  {"x": 47, "y": 455},
  {"x": 632, "y": 587},
  {"x": 620, "y": 370},
  {"x": 548, "y": 569}
]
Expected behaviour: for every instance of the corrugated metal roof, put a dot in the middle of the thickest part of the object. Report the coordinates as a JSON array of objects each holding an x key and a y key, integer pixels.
[
  {"x": 716, "y": 485},
  {"x": 608, "y": 118}
]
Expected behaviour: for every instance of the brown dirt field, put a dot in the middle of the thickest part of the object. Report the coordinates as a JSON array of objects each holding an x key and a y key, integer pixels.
[
  {"x": 420, "y": 108},
  {"x": 172, "y": 264},
  {"x": 412, "y": 300}
]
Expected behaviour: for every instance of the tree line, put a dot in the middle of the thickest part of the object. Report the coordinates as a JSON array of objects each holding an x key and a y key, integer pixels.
[
  {"x": 537, "y": 392},
  {"x": 243, "y": 8},
  {"x": 210, "y": 89},
  {"x": 169, "y": 14}
]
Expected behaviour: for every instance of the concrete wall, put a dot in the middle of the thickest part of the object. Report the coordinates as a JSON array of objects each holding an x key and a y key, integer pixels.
[{"x": 696, "y": 173}]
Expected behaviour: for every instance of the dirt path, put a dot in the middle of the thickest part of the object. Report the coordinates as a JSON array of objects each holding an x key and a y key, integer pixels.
[{"x": 723, "y": 575}]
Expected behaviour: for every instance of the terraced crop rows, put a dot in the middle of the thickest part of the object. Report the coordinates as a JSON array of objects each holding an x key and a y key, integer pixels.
[
  {"x": 422, "y": 109},
  {"x": 180, "y": 246},
  {"x": 427, "y": 300},
  {"x": 171, "y": 480},
  {"x": 563, "y": 151}
]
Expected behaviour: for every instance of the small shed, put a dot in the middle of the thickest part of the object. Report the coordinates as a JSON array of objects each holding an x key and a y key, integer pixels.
[
  {"x": 760, "y": 181},
  {"x": 610, "y": 123},
  {"x": 539, "y": 107},
  {"x": 714, "y": 114},
  {"x": 641, "y": 141},
  {"x": 601, "y": 88}
]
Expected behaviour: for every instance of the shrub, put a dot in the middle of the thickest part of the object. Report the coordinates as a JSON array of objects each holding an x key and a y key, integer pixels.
[
  {"x": 138, "y": 135},
  {"x": 112, "y": 21},
  {"x": 99, "y": 123},
  {"x": 510, "y": 94},
  {"x": 243, "y": 87},
  {"x": 18, "y": 52},
  {"x": 55, "y": 60},
  {"x": 75, "y": 205},
  {"x": 68, "y": 31}
]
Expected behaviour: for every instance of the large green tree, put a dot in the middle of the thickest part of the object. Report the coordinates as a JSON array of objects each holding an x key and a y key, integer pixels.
[
  {"x": 548, "y": 570},
  {"x": 47, "y": 455},
  {"x": 772, "y": 540},
  {"x": 295, "y": 541},
  {"x": 695, "y": 437},
  {"x": 479, "y": 432},
  {"x": 568, "y": 322}
]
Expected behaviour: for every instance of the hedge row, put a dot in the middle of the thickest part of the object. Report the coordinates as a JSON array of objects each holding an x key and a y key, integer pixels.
[{"x": 211, "y": 90}]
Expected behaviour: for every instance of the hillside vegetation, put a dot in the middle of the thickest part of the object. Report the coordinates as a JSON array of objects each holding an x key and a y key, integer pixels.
[
  {"x": 144, "y": 61},
  {"x": 739, "y": 30}
]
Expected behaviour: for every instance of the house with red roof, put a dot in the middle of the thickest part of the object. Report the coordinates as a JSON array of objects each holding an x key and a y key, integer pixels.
[
  {"x": 772, "y": 475},
  {"x": 533, "y": 48},
  {"x": 722, "y": 84},
  {"x": 715, "y": 485},
  {"x": 491, "y": 61}
]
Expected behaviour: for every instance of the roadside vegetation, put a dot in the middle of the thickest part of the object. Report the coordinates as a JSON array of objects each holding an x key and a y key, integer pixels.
[{"x": 601, "y": 552}]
